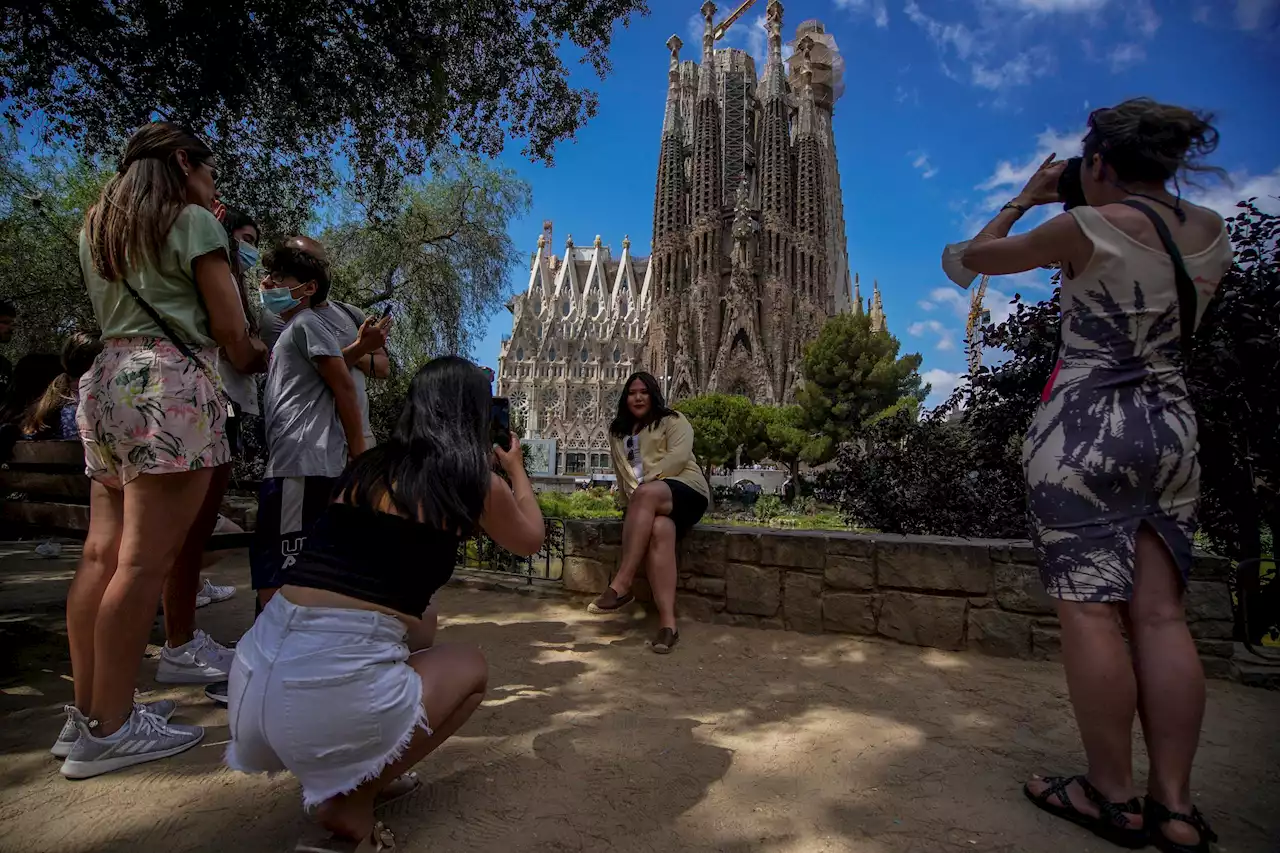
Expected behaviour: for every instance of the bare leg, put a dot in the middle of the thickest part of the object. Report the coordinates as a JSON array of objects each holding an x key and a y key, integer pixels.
[
  {"x": 1170, "y": 680},
  {"x": 650, "y": 500},
  {"x": 183, "y": 583},
  {"x": 660, "y": 565},
  {"x": 97, "y": 566},
  {"x": 158, "y": 510},
  {"x": 1104, "y": 696},
  {"x": 454, "y": 679}
]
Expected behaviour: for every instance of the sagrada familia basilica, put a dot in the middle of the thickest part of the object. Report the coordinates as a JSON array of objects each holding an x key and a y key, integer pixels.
[{"x": 749, "y": 255}]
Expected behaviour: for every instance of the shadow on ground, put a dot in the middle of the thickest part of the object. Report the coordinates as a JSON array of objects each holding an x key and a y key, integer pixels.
[{"x": 740, "y": 741}]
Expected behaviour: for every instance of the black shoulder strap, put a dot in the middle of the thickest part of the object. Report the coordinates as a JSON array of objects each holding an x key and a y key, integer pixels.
[
  {"x": 350, "y": 312},
  {"x": 1186, "y": 287},
  {"x": 165, "y": 329},
  {"x": 178, "y": 342}
]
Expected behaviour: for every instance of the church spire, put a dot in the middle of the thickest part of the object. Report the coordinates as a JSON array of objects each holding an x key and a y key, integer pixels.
[
  {"x": 671, "y": 121},
  {"x": 707, "y": 71},
  {"x": 877, "y": 309},
  {"x": 857, "y": 296}
]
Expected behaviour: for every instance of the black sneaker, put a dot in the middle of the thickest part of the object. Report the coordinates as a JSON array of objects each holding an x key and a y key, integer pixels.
[{"x": 218, "y": 692}]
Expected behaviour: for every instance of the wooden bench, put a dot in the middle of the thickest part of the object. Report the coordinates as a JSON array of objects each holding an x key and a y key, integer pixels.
[{"x": 44, "y": 491}]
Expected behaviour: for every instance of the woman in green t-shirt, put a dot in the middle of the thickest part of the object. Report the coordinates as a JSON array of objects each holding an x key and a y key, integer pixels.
[{"x": 152, "y": 418}]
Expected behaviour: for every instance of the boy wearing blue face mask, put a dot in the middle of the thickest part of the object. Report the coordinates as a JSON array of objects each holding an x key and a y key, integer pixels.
[{"x": 313, "y": 419}]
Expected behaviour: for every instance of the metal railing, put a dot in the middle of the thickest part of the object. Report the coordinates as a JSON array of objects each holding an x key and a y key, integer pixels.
[{"x": 482, "y": 554}]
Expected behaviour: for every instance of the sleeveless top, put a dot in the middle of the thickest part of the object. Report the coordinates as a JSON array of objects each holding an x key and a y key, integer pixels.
[
  {"x": 1122, "y": 309},
  {"x": 376, "y": 557}
]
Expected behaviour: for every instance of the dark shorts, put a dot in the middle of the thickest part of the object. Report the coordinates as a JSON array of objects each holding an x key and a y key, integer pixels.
[
  {"x": 688, "y": 505},
  {"x": 287, "y": 508}
]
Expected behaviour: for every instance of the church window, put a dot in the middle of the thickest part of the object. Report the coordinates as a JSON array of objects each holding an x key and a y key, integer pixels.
[
  {"x": 595, "y": 307},
  {"x": 564, "y": 309},
  {"x": 582, "y": 356},
  {"x": 519, "y": 353},
  {"x": 617, "y": 355},
  {"x": 551, "y": 354}
]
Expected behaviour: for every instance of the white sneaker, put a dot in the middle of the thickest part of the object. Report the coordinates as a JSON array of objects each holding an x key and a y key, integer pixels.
[
  {"x": 214, "y": 592},
  {"x": 202, "y": 600},
  {"x": 144, "y": 737},
  {"x": 201, "y": 661},
  {"x": 162, "y": 708}
]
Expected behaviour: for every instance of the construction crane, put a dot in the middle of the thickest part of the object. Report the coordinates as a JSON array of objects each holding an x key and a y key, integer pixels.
[
  {"x": 719, "y": 31},
  {"x": 978, "y": 316}
]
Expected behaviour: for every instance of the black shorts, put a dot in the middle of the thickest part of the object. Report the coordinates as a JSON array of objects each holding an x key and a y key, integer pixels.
[
  {"x": 287, "y": 509},
  {"x": 688, "y": 505}
]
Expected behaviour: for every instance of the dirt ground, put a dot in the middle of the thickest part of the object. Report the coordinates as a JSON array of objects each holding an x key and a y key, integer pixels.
[{"x": 741, "y": 740}]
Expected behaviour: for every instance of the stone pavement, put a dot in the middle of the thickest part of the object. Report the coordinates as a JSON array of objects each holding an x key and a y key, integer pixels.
[{"x": 742, "y": 740}]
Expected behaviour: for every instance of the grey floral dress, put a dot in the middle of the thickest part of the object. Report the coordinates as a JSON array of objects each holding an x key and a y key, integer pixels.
[{"x": 1114, "y": 443}]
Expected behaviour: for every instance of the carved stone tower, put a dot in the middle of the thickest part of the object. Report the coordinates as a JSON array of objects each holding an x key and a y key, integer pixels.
[{"x": 749, "y": 254}]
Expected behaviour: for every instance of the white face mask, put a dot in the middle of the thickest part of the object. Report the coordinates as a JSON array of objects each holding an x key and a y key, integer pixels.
[{"x": 953, "y": 264}]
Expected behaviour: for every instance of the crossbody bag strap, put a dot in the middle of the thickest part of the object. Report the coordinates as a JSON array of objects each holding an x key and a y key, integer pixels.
[
  {"x": 179, "y": 343},
  {"x": 1186, "y": 287}
]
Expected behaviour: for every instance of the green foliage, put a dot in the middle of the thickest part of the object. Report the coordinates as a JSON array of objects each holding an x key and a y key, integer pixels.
[
  {"x": 296, "y": 97},
  {"x": 781, "y": 436},
  {"x": 584, "y": 503},
  {"x": 852, "y": 372},
  {"x": 721, "y": 424},
  {"x": 439, "y": 262},
  {"x": 958, "y": 470},
  {"x": 43, "y": 199}
]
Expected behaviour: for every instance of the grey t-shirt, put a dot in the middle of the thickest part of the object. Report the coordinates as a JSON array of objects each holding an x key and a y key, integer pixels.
[
  {"x": 304, "y": 434},
  {"x": 344, "y": 320}
]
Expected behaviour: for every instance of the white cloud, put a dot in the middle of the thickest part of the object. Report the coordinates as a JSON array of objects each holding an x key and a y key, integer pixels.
[
  {"x": 956, "y": 36},
  {"x": 942, "y": 383},
  {"x": 1223, "y": 197},
  {"x": 1254, "y": 14},
  {"x": 1018, "y": 71},
  {"x": 875, "y": 8},
  {"x": 1010, "y": 175},
  {"x": 1056, "y": 5},
  {"x": 921, "y": 163},
  {"x": 1124, "y": 55},
  {"x": 945, "y": 337}
]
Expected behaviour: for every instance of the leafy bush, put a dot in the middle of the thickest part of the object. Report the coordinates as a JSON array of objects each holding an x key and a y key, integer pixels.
[{"x": 588, "y": 503}]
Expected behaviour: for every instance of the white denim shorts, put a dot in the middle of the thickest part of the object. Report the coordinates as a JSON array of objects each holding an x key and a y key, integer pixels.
[{"x": 323, "y": 692}]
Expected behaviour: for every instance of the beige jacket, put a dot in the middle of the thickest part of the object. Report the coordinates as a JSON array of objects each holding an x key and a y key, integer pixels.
[{"x": 667, "y": 453}]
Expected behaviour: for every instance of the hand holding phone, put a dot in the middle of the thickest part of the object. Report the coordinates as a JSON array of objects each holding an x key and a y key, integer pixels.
[{"x": 500, "y": 423}]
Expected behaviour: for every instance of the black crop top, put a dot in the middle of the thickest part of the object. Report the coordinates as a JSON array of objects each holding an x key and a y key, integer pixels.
[{"x": 383, "y": 559}]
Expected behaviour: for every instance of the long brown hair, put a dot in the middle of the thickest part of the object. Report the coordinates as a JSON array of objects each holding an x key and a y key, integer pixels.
[
  {"x": 78, "y": 352},
  {"x": 140, "y": 203},
  {"x": 1150, "y": 142}
]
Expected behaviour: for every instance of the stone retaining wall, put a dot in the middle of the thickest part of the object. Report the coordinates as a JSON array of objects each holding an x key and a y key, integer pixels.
[{"x": 978, "y": 594}]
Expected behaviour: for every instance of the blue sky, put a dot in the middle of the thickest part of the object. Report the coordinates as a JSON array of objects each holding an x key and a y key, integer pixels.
[{"x": 948, "y": 107}]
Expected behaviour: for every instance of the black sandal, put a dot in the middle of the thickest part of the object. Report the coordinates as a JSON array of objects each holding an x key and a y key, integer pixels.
[
  {"x": 665, "y": 641},
  {"x": 1110, "y": 823},
  {"x": 1158, "y": 814},
  {"x": 609, "y": 602}
]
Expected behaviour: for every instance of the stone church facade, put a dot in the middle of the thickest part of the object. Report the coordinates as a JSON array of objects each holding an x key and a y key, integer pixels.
[
  {"x": 577, "y": 332},
  {"x": 749, "y": 256},
  {"x": 749, "y": 251}
]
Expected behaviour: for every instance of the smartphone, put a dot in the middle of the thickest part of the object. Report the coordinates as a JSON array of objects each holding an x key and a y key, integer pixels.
[
  {"x": 500, "y": 422},
  {"x": 1070, "y": 189}
]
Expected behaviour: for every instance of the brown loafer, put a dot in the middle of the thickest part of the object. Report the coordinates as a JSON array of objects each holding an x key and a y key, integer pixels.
[
  {"x": 610, "y": 602},
  {"x": 665, "y": 641}
]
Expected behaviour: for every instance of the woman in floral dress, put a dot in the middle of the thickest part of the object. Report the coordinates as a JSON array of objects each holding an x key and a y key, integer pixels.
[{"x": 1111, "y": 459}]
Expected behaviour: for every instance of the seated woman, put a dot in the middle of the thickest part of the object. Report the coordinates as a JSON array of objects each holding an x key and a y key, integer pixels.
[
  {"x": 665, "y": 495},
  {"x": 53, "y": 416},
  {"x": 339, "y": 680}
]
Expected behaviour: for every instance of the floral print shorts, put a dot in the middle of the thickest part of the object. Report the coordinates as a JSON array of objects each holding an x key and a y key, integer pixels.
[{"x": 145, "y": 408}]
